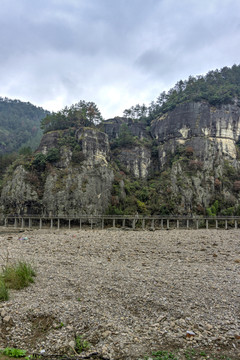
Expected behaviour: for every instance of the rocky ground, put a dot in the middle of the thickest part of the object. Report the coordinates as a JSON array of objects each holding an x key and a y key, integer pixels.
[{"x": 127, "y": 293}]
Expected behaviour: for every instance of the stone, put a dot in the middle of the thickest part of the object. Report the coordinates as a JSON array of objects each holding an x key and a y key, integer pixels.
[
  {"x": 106, "y": 333},
  {"x": 209, "y": 327},
  {"x": 3, "y": 313},
  {"x": 7, "y": 319},
  {"x": 72, "y": 344}
]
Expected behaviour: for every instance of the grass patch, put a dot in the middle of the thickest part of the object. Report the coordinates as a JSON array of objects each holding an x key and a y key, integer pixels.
[
  {"x": 188, "y": 354},
  {"x": 81, "y": 344},
  {"x": 162, "y": 355},
  {"x": 13, "y": 352},
  {"x": 18, "y": 276},
  {"x": 3, "y": 290}
]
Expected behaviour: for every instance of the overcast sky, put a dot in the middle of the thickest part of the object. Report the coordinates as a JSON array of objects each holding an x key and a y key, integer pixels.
[{"x": 116, "y": 53}]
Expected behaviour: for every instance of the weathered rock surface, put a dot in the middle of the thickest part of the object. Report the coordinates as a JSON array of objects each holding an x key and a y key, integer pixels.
[
  {"x": 112, "y": 128},
  {"x": 68, "y": 189},
  {"x": 136, "y": 160},
  {"x": 192, "y": 152},
  {"x": 95, "y": 145},
  {"x": 49, "y": 141},
  {"x": 128, "y": 293},
  {"x": 18, "y": 194},
  {"x": 201, "y": 126}
]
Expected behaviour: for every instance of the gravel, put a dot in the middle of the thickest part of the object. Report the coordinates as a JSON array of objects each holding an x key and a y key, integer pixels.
[{"x": 128, "y": 293}]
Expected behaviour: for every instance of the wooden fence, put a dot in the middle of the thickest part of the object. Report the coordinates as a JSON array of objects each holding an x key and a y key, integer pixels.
[{"x": 120, "y": 221}]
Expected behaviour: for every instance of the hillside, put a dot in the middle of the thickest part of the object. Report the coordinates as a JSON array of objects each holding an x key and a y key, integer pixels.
[
  {"x": 182, "y": 161},
  {"x": 19, "y": 125},
  {"x": 217, "y": 87}
]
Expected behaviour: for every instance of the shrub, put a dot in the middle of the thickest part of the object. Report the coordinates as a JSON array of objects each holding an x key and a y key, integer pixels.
[
  {"x": 3, "y": 290},
  {"x": 213, "y": 210},
  {"x": 53, "y": 155},
  {"x": 39, "y": 162},
  {"x": 81, "y": 345},
  {"x": 163, "y": 355},
  {"x": 12, "y": 352},
  {"x": 141, "y": 207},
  {"x": 125, "y": 138},
  {"x": 18, "y": 276},
  {"x": 228, "y": 212},
  {"x": 25, "y": 150},
  {"x": 77, "y": 156}
]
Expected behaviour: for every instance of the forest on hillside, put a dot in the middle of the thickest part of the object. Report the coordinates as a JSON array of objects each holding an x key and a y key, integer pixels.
[
  {"x": 217, "y": 87},
  {"x": 19, "y": 125},
  {"x": 22, "y": 125},
  {"x": 19, "y": 130}
]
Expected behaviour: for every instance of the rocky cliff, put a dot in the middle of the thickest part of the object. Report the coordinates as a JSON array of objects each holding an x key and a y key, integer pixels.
[
  {"x": 77, "y": 181},
  {"x": 198, "y": 144},
  {"x": 184, "y": 162}
]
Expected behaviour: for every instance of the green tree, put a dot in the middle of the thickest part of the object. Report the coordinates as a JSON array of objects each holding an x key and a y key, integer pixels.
[
  {"x": 25, "y": 150},
  {"x": 217, "y": 87},
  {"x": 19, "y": 125},
  {"x": 39, "y": 162},
  {"x": 53, "y": 155},
  {"x": 80, "y": 114},
  {"x": 125, "y": 138},
  {"x": 213, "y": 210}
]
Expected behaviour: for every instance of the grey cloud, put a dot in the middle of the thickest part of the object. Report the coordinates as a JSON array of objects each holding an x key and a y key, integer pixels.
[
  {"x": 64, "y": 50},
  {"x": 189, "y": 35}
]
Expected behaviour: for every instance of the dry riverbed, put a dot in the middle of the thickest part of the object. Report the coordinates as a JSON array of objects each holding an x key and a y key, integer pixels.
[{"x": 127, "y": 292}]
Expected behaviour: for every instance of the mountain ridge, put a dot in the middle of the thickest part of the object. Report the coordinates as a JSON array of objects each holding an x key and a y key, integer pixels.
[
  {"x": 19, "y": 124},
  {"x": 183, "y": 161}
]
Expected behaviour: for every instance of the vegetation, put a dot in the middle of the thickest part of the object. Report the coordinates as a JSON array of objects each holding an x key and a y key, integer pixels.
[
  {"x": 3, "y": 290},
  {"x": 189, "y": 354},
  {"x": 19, "y": 125},
  {"x": 13, "y": 352},
  {"x": 143, "y": 196},
  {"x": 162, "y": 355},
  {"x": 213, "y": 210},
  {"x": 5, "y": 161},
  {"x": 125, "y": 138},
  {"x": 157, "y": 194},
  {"x": 53, "y": 155},
  {"x": 18, "y": 276},
  {"x": 80, "y": 114},
  {"x": 216, "y": 87},
  {"x": 81, "y": 344}
]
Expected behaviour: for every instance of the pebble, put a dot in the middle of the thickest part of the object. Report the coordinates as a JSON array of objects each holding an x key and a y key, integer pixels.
[{"x": 144, "y": 296}]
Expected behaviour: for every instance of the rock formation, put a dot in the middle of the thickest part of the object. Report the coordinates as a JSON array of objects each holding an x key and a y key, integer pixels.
[{"x": 183, "y": 162}]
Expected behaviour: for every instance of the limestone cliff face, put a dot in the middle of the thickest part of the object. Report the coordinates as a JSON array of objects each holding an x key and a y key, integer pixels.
[
  {"x": 95, "y": 146},
  {"x": 197, "y": 143},
  {"x": 136, "y": 160},
  {"x": 112, "y": 128},
  {"x": 49, "y": 140},
  {"x": 86, "y": 187},
  {"x": 18, "y": 194},
  {"x": 67, "y": 187},
  {"x": 200, "y": 126},
  {"x": 181, "y": 164}
]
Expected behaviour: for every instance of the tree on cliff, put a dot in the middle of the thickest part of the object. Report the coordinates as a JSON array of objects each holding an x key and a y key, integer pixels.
[
  {"x": 216, "y": 87},
  {"x": 80, "y": 114}
]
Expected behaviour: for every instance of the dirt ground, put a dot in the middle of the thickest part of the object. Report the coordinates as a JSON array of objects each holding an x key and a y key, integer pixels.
[{"x": 127, "y": 293}]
